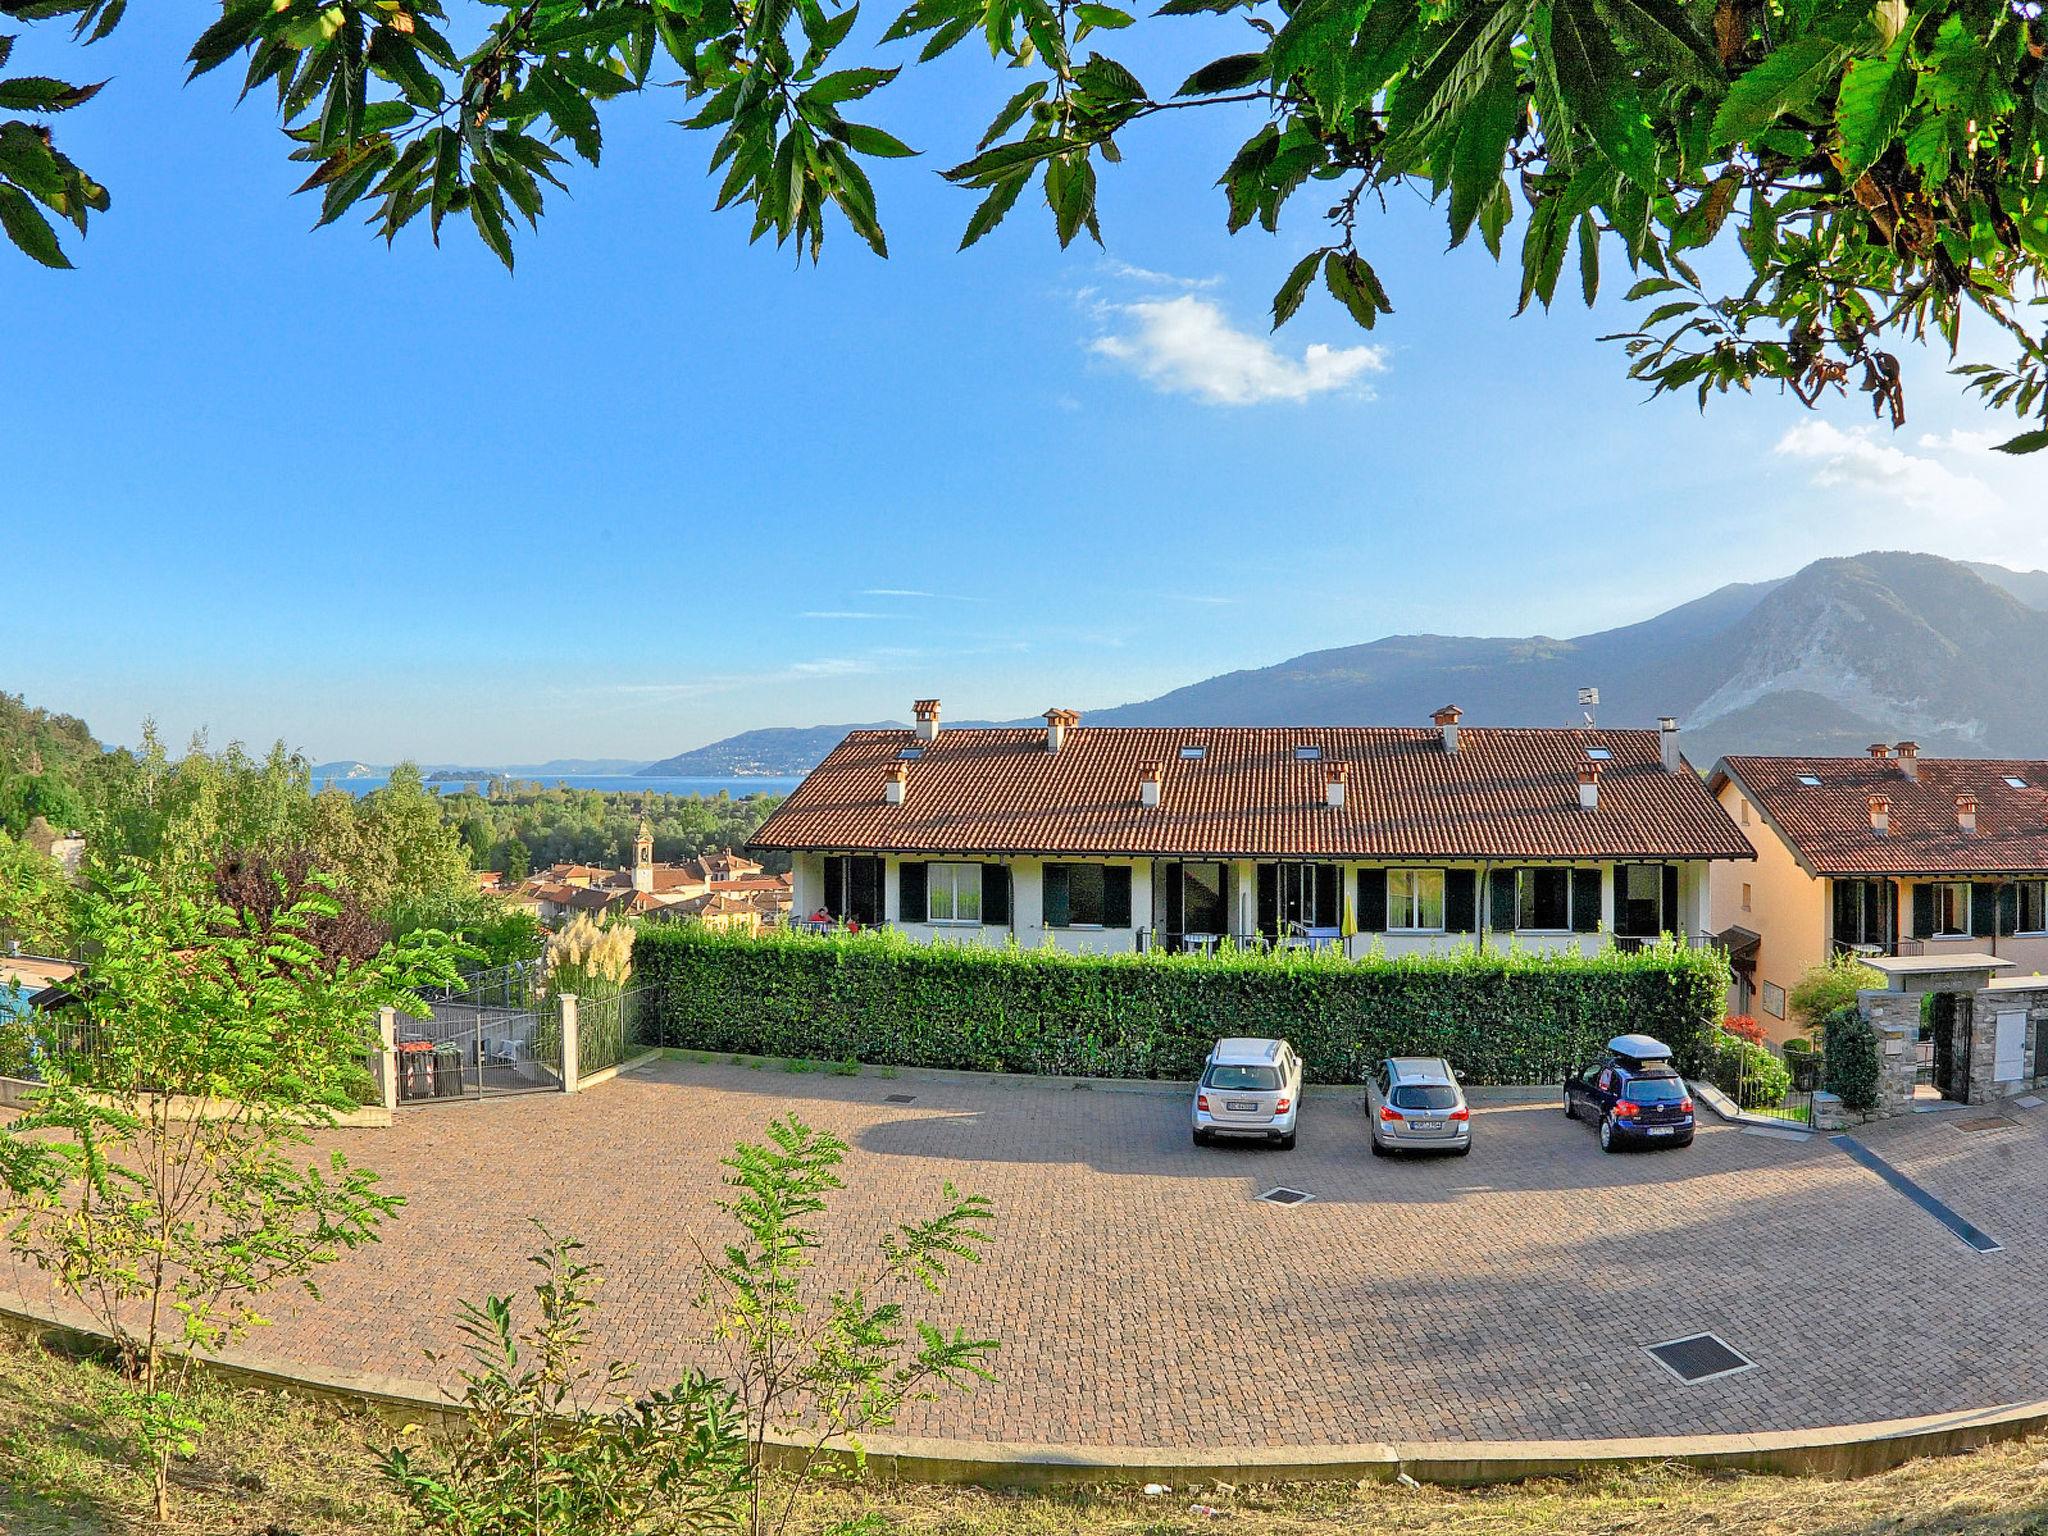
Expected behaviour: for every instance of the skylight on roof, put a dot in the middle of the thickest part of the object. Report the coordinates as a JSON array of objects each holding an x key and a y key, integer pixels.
[
  {"x": 911, "y": 754},
  {"x": 2015, "y": 781},
  {"x": 1598, "y": 754},
  {"x": 1809, "y": 781},
  {"x": 1307, "y": 754},
  {"x": 1194, "y": 753}
]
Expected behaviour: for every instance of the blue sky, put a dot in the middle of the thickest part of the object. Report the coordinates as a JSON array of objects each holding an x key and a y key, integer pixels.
[{"x": 663, "y": 485}]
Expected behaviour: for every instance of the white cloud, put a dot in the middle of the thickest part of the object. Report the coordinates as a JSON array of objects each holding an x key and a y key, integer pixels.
[
  {"x": 1187, "y": 345},
  {"x": 1962, "y": 440},
  {"x": 1151, "y": 279},
  {"x": 1861, "y": 461}
]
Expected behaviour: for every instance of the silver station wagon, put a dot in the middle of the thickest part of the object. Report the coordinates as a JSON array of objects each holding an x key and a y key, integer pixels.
[
  {"x": 1414, "y": 1104},
  {"x": 1249, "y": 1088}
]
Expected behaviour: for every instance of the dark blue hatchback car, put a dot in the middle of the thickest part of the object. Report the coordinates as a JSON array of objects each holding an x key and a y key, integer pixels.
[{"x": 1636, "y": 1095}]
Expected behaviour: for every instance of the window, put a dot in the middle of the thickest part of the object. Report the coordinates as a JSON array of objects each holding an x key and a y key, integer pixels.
[
  {"x": 1415, "y": 900},
  {"x": 1745, "y": 895},
  {"x": 1543, "y": 898},
  {"x": 2013, "y": 781},
  {"x": 1809, "y": 781},
  {"x": 1598, "y": 754},
  {"x": 2033, "y": 906},
  {"x": 1087, "y": 896},
  {"x": 1307, "y": 754},
  {"x": 1193, "y": 754},
  {"x": 1655, "y": 1090},
  {"x": 1745, "y": 812},
  {"x": 1308, "y": 895},
  {"x": 1774, "y": 1000},
  {"x": 1242, "y": 1079},
  {"x": 1200, "y": 907},
  {"x": 953, "y": 893},
  {"x": 1425, "y": 1096},
  {"x": 853, "y": 890},
  {"x": 1951, "y": 909},
  {"x": 910, "y": 754},
  {"x": 1863, "y": 912},
  {"x": 1640, "y": 892}
]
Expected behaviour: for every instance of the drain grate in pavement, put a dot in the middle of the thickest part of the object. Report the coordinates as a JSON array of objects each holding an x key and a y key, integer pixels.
[
  {"x": 1285, "y": 1196},
  {"x": 900, "y": 1098},
  {"x": 1989, "y": 1123},
  {"x": 1699, "y": 1357}
]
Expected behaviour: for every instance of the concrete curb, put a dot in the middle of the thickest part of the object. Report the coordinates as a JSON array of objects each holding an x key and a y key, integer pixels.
[{"x": 1843, "y": 1450}]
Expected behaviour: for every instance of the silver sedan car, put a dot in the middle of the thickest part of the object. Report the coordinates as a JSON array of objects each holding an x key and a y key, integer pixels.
[{"x": 1414, "y": 1104}]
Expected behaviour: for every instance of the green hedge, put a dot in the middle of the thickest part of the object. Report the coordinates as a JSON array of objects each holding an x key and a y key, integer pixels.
[
  {"x": 1512, "y": 1017},
  {"x": 1854, "y": 1062}
]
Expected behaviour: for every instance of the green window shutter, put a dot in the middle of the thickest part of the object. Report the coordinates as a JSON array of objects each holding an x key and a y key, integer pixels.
[
  {"x": 1461, "y": 900},
  {"x": 1500, "y": 901},
  {"x": 1848, "y": 909},
  {"x": 1585, "y": 900},
  {"x": 995, "y": 893},
  {"x": 1923, "y": 910},
  {"x": 1983, "y": 908},
  {"x": 1269, "y": 899},
  {"x": 1328, "y": 880},
  {"x": 1670, "y": 898},
  {"x": 1055, "y": 895},
  {"x": 912, "y": 905},
  {"x": 1116, "y": 896},
  {"x": 1372, "y": 901},
  {"x": 2009, "y": 907},
  {"x": 835, "y": 886}
]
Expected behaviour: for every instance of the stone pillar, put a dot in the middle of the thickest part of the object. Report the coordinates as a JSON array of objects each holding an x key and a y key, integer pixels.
[
  {"x": 569, "y": 1065},
  {"x": 384, "y": 1060},
  {"x": 1896, "y": 1018}
]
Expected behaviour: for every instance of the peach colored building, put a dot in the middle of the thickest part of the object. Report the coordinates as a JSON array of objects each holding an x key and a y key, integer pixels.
[{"x": 1885, "y": 854}]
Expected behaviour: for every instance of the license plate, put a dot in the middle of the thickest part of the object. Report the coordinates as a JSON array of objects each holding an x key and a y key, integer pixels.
[
  {"x": 1426, "y": 1125},
  {"x": 1239, "y": 1106},
  {"x": 1661, "y": 1130}
]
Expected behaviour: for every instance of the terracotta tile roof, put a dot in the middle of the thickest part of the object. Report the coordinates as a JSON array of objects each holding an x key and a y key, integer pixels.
[
  {"x": 1828, "y": 824},
  {"x": 1504, "y": 793}
]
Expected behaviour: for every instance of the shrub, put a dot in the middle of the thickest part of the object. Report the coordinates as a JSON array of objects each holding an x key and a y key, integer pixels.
[
  {"x": 1854, "y": 1065},
  {"x": 1744, "y": 1069},
  {"x": 1831, "y": 985},
  {"x": 1499, "y": 1017},
  {"x": 1743, "y": 1027}
]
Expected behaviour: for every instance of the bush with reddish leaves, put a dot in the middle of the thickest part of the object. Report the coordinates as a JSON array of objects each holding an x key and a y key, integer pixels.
[{"x": 1744, "y": 1027}]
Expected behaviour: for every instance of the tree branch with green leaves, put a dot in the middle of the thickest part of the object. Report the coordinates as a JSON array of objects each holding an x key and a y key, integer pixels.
[{"x": 1871, "y": 170}]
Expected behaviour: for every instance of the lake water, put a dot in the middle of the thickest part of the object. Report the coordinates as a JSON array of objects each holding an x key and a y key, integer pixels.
[{"x": 632, "y": 783}]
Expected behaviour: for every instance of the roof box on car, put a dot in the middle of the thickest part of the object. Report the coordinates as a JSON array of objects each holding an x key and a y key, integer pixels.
[{"x": 1639, "y": 1048}]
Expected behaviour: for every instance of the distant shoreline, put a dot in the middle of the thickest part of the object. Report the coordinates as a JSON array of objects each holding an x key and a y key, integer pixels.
[{"x": 737, "y": 786}]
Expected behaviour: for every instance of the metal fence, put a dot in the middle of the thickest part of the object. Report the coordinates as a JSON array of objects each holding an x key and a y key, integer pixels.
[
  {"x": 498, "y": 1033},
  {"x": 1757, "y": 1087},
  {"x": 611, "y": 1028}
]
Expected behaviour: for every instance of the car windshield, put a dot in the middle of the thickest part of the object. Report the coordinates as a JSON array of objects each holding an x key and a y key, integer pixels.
[
  {"x": 1258, "y": 1079},
  {"x": 1655, "y": 1090},
  {"x": 1425, "y": 1096}
]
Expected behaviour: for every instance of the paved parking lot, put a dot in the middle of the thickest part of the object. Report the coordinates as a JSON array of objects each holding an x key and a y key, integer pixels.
[{"x": 1143, "y": 1296}]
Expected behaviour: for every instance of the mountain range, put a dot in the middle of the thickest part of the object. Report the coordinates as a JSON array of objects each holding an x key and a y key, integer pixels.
[{"x": 1845, "y": 652}]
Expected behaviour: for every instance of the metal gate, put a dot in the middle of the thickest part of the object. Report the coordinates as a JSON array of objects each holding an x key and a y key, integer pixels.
[
  {"x": 1952, "y": 1031},
  {"x": 1781, "y": 1085},
  {"x": 499, "y": 1033}
]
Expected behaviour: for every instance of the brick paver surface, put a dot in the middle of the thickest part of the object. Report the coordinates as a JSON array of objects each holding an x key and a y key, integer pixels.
[{"x": 1144, "y": 1298}]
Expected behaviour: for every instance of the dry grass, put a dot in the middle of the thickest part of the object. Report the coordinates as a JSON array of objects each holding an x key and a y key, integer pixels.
[{"x": 276, "y": 1465}]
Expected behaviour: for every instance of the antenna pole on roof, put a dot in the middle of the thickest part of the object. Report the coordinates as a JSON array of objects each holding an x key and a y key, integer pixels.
[{"x": 1589, "y": 703}]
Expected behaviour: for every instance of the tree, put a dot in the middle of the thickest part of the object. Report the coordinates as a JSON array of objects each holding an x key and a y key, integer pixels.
[
  {"x": 1872, "y": 170},
  {"x": 156, "y": 1175},
  {"x": 1828, "y": 986},
  {"x": 514, "y": 861},
  {"x": 37, "y": 902}
]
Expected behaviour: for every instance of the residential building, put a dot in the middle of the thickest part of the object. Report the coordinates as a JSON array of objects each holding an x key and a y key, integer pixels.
[
  {"x": 647, "y": 888},
  {"x": 1884, "y": 854},
  {"x": 1112, "y": 839}
]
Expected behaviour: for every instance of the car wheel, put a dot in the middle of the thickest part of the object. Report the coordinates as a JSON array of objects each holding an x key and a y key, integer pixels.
[
  {"x": 1685, "y": 1143},
  {"x": 1571, "y": 1111},
  {"x": 1287, "y": 1142},
  {"x": 1201, "y": 1138},
  {"x": 1607, "y": 1143}
]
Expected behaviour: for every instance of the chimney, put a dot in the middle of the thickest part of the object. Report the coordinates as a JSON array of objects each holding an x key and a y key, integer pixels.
[
  {"x": 1880, "y": 751},
  {"x": 1966, "y": 813},
  {"x": 1057, "y": 723},
  {"x": 927, "y": 712},
  {"x": 1909, "y": 759},
  {"x": 1148, "y": 783},
  {"x": 1333, "y": 785},
  {"x": 1880, "y": 814},
  {"x": 1589, "y": 786},
  {"x": 1446, "y": 720},
  {"x": 1667, "y": 739},
  {"x": 898, "y": 781}
]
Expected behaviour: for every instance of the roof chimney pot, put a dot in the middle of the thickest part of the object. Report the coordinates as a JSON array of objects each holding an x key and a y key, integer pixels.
[
  {"x": 1880, "y": 751},
  {"x": 896, "y": 784},
  {"x": 1333, "y": 784},
  {"x": 1589, "y": 786},
  {"x": 1149, "y": 783},
  {"x": 1880, "y": 814},
  {"x": 927, "y": 712},
  {"x": 1909, "y": 759},
  {"x": 1966, "y": 813},
  {"x": 1057, "y": 723},
  {"x": 1446, "y": 720},
  {"x": 1667, "y": 742}
]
